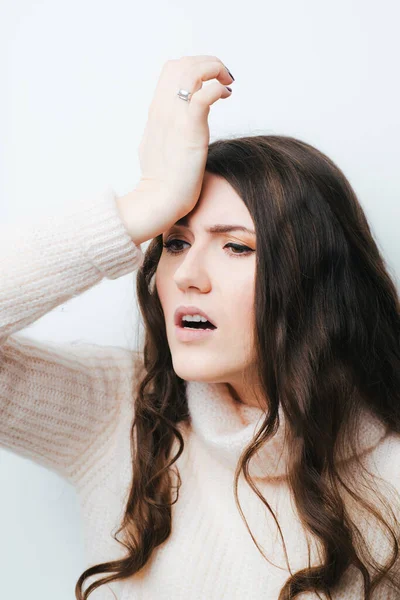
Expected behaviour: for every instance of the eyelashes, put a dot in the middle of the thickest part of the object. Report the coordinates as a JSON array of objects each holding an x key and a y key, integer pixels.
[{"x": 243, "y": 250}]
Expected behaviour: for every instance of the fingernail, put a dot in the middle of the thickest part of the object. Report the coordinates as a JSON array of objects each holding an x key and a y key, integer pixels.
[
  {"x": 229, "y": 73},
  {"x": 228, "y": 88}
]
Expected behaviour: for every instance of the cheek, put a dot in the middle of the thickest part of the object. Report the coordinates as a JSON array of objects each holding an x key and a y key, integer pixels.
[
  {"x": 163, "y": 284},
  {"x": 246, "y": 307},
  {"x": 162, "y": 279},
  {"x": 158, "y": 284},
  {"x": 241, "y": 301}
]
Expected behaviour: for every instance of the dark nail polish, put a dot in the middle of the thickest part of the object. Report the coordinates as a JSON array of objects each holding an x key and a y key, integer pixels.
[
  {"x": 228, "y": 88},
  {"x": 230, "y": 73}
]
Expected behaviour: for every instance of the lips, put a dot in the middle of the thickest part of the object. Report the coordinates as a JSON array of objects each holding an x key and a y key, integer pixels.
[{"x": 190, "y": 310}]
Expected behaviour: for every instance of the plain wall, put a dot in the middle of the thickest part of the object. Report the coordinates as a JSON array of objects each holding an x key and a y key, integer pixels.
[{"x": 77, "y": 78}]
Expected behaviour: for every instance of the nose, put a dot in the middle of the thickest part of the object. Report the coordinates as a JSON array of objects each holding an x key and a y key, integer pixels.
[{"x": 193, "y": 271}]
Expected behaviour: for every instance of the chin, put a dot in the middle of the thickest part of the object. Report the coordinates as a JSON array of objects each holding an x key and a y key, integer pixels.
[{"x": 192, "y": 371}]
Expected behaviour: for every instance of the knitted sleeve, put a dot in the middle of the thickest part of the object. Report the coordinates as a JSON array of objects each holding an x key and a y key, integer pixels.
[{"x": 59, "y": 402}]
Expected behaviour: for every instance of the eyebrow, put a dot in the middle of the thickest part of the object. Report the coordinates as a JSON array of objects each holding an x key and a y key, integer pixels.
[{"x": 216, "y": 228}]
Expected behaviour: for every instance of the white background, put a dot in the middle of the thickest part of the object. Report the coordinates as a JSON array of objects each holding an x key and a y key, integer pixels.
[{"x": 76, "y": 81}]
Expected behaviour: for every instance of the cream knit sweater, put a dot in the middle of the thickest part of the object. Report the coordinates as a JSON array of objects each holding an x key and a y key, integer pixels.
[{"x": 69, "y": 408}]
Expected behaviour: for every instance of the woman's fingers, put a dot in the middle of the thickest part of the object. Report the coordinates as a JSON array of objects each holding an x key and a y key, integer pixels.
[
  {"x": 188, "y": 73},
  {"x": 199, "y": 72}
]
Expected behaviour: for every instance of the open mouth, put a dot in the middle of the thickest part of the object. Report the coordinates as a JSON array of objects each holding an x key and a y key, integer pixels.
[{"x": 196, "y": 325}]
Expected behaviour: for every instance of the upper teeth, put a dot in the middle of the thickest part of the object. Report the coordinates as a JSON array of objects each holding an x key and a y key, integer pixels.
[{"x": 194, "y": 318}]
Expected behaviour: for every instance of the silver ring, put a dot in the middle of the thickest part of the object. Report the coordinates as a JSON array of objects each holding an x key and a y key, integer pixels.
[{"x": 184, "y": 95}]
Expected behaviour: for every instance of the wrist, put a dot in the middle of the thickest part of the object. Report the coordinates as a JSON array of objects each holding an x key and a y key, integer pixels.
[{"x": 129, "y": 210}]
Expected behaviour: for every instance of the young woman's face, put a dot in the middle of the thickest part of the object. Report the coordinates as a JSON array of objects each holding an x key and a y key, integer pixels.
[{"x": 210, "y": 271}]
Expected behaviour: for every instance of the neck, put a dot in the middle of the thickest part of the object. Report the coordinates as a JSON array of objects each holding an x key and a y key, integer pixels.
[
  {"x": 225, "y": 426},
  {"x": 247, "y": 390}
]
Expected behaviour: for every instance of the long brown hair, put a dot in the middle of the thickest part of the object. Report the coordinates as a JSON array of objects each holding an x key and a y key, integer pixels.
[{"x": 327, "y": 343}]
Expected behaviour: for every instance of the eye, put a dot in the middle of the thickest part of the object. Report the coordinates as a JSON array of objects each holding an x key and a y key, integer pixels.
[{"x": 239, "y": 249}]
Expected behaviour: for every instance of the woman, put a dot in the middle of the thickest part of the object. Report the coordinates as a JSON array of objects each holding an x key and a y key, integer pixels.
[{"x": 288, "y": 397}]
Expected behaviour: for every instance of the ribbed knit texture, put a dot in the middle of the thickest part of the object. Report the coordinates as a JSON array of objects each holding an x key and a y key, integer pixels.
[{"x": 69, "y": 407}]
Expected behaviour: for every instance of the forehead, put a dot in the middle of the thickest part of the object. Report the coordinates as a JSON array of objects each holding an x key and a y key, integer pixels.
[{"x": 218, "y": 203}]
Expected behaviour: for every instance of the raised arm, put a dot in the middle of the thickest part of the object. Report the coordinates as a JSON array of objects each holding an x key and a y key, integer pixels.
[{"x": 59, "y": 403}]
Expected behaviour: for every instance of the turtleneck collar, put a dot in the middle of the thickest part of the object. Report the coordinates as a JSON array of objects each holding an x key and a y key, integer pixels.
[{"x": 225, "y": 427}]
